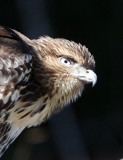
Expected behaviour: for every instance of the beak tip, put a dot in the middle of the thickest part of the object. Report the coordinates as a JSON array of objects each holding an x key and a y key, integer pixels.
[{"x": 94, "y": 81}]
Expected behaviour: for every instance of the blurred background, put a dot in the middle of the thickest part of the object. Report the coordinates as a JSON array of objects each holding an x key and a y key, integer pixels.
[{"x": 92, "y": 128}]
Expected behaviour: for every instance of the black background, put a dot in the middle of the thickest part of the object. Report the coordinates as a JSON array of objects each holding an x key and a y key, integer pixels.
[{"x": 99, "y": 113}]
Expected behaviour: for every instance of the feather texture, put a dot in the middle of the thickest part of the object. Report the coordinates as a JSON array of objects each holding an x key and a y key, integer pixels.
[
  {"x": 37, "y": 79},
  {"x": 15, "y": 68}
]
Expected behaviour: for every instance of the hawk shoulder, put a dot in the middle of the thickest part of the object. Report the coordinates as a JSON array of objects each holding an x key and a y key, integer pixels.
[{"x": 15, "y": 70}]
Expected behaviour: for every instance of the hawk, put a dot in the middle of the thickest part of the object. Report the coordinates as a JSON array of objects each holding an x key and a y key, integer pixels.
[{"x": 37, "y": 79}]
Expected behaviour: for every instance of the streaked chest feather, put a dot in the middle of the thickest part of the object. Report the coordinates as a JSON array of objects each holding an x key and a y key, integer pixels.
[{"x": 31, "y": 113}]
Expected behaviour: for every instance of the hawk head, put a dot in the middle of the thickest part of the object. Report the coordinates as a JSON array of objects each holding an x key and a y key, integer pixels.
[{"x": 65, "y": 67}]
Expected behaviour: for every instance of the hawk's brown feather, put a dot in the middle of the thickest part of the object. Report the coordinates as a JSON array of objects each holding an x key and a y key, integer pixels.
[
  {"x": 15, "y": 68},
  {"x": 37, "y": 78}
]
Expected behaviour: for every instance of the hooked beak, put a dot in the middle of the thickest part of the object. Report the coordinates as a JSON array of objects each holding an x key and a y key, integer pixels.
[{"x": 89, "y": 77}]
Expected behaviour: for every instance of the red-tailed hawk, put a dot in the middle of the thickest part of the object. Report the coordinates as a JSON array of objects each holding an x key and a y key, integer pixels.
[{"x": 37, "y": 79}]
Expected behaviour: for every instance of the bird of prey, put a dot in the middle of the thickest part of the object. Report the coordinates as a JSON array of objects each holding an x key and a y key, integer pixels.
[{"x": 37, "y": 79}]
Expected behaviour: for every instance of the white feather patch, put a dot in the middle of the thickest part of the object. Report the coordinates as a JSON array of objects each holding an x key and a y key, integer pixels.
[{"x": 15, "y": 95}]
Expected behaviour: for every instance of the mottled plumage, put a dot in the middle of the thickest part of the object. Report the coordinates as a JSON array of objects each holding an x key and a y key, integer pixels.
[{"x": 37, "y": 78}]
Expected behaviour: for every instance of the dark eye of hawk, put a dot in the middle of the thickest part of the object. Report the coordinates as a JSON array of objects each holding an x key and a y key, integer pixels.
[{"x": 66, "y": 61}]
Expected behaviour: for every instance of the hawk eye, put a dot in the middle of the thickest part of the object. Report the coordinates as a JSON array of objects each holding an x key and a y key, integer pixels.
[{"x": 64, "y": 60}]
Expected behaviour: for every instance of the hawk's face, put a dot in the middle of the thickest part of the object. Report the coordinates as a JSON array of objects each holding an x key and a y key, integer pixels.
[{"x": 66, "y": 67}]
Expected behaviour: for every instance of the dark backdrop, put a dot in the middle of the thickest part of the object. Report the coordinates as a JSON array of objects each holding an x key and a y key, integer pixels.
[{"x": 99, "y": 113}]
